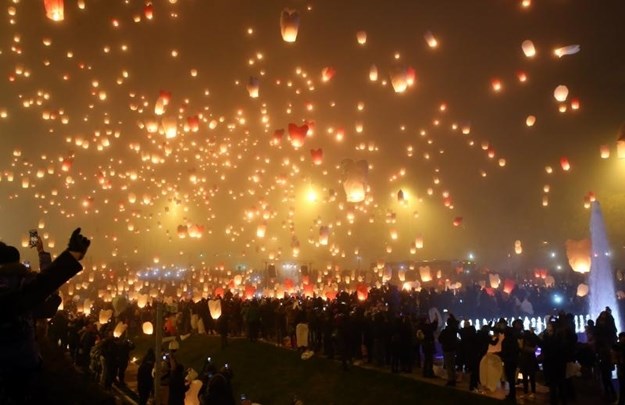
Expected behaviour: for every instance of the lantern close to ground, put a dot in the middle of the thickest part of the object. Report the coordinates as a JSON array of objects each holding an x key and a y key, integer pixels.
[
  {"x": 119, "y": 330},
  {"x": 214, "y": 306},
  {"x": 148, "y": 328}
]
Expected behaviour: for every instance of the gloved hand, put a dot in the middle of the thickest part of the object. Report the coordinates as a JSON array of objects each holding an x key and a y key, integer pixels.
[{"x": 78, "y": 244}]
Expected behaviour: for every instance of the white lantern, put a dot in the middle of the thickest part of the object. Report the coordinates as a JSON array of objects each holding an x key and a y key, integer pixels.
[
  {"x": 214, "y": 306},
  {"x": 148, "y": 328}
]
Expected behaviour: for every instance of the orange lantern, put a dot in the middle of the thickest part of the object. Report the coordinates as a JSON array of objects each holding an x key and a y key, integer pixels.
[
  {"x": 297, "y": 135},
  {"x": 565, "y": 164},
  {"x": 54, "y": 9},
  {"x": 362, "y": 291},
  {"x": 214, "y": 307},
  {"x": 148, "y": 11},
  {"x": 317, "y": 156}
]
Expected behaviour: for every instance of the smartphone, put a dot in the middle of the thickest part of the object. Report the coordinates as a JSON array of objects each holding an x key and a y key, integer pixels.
[{"x": 33, "y": 238}]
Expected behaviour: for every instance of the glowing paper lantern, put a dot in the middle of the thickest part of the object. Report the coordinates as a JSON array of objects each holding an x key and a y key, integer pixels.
[
  {"x": 148, "y": 11},
  {"x": 142, "y": 301},
  {"x": 327, "y": 73},
  {"x": 457, "y": 221},
  {"x": 119, "y": 330},
  {"x": 582, "y": 290},
  {"x": 55, "y": 10},
  {"x": 567, "y": 50},
  {"x": 324, "y": 233},
  {"x": 105, "y": 316},
  {"x": 425, "y": 273},
  {"x": 402, "y": 78},
  {"x": 518, "y": 248},
  {"x": 214, "y": 306},
  {"x": 564, "y": 163},
  {"x": 148, "y": 328},
  {"x": 494, "y": 280},
  {"x": 355, "y": 179},
  {"x": 297, "y": 135},
  {"x": 317, "y": 156},
  {"x": 170, "y": 127},
  {"x": 253, "y": 87},
  {"x": 508, "y": 286},
  {"x": 528, "y": 48},
  {"x": 419, "y": 242},
  {"x": 530, "y": 120},
  {"x": 430, "y": 39},
  {"x": 361, "y": 37},
  {"x": 561, "y": 93},
  {"x": 261, "y": 230},
  {"x": 578, "y": 253},
  {"x": 289, "y": 25},
  {"x": 373, "y": 73},
  {"x": 362, "y": 292}
]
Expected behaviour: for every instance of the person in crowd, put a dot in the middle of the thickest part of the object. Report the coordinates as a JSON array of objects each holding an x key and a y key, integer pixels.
[
  {"x": 145, "y": 380},
  {"x": 177, "y": 383},
  {"x": 449, "y": 341},
  {"x": 619, "y": 351},
  {"x": 510, "y": 356},
  {"x": 22, "y": 294},
  {"x": 528, "y": 362},
  {"x": 123, "y": 348},
  {"x": 219, "y": 389},
  {"x": 429, "y": 347}
]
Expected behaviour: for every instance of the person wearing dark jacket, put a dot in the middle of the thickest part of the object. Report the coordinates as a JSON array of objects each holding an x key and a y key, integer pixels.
[
  {"x": 145, "y": 381},
  {"x": 450, "y": 343},
  {"x": 177, "y": 385},
  {"x": 510, "y": 356},
  {"x": 22, "y": 294}
]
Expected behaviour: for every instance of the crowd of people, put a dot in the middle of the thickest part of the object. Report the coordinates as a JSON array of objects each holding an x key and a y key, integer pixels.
[{"x": 390, "y": 328}]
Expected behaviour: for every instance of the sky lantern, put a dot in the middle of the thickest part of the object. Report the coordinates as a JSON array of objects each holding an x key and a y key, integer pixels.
[
  {"x": 324, "y": 233},
  {"x": 565, "y": 164},
  {"x": 142, "y": 300},
  {"x": 508, "y": 286},
  {"x": 355, "y": 179},
  {"x": 575, "y": 104},
  {"x": 530, "y": 120},
  {"x": 214, "y": 307},
  {"x": 494, "y": 280},
  {"x": 578, "y": 253},
  {"x": 253, "y": 87},
  {"x": 297, "y": 135},
  {"x": 119, "y": 330},
  {"x": 528, "y": 48},
  {"x": 518, "y": 248},
  {"x": 249, "y": 292},
  {"x": 457, "y": 221},
  {"x": 496, "y": 85},
  {"x": 147, "y": 328},
  {"x": 327, "y": 73},
  {"x": 419, "y": 242},
  {"x": 193, "y": 123},
  {"x": 561, "y": 93},
  {"x": 605, "y": 151},
  {"x": 430, "y": 39},
  {"x": 362, "y": 292},
  {"x": 620, "y": 143},
  {"x": 582, "y": 290},
  {"x": 289, "y": 25},
  {"x": 317, "y": 156},
  {"x": 170, "y": 127},
  {"x": 373, "y": 73},
  {"x": 261, "y": 229},
  {"x": 425, "y": 273},
  {"x": 566, "y": 50},
  {"x": 105, "y": 316},
  {"x": 148, "y": 11},
  {"x": 54, "y": 9},
  {"x": 361, "y": 37},
  {"x": 402, "y": 78}
]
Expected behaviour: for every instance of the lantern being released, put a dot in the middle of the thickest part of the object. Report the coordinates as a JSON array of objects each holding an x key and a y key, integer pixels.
[
  {"x": 578, "y": 253},
  {"x": 289, "y": 25},
  {"x": 214, "y": 306},
  {"x": 148, "y": 328}
]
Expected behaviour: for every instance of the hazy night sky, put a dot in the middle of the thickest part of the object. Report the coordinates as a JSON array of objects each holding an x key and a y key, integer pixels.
[{"x": 72, "y": 98}]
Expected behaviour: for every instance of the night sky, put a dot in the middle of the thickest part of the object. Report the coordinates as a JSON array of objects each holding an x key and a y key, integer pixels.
[{"x": 81, "y": 142}]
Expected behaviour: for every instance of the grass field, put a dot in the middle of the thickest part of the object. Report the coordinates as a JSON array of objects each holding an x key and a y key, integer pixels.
[{"x": 271, "y": 375}]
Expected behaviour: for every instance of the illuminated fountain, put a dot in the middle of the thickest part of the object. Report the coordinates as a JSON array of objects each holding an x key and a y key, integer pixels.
[{"x": 601, "y": 279}]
